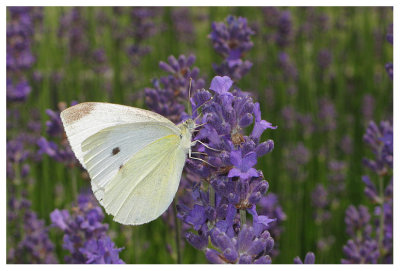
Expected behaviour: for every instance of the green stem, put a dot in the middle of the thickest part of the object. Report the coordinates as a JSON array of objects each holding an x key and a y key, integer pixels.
[
  {"x": 242, "y": 217},
  {"x": 212, "y": 195},
  {"x": 177, "y": 234},
  {"x": 74, "y": 185}
]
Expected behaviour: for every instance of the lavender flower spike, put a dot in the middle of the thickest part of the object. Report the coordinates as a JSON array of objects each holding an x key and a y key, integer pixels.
[
  {"x": 85, "y": 236},
  {"x": 235, "y": 186},
  {"x": 232, "y": 41}
]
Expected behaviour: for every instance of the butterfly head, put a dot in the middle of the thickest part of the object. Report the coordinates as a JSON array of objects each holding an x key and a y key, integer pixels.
[
  {"x": 189, "y": 125},
  {"x": 187, "y": 128}
]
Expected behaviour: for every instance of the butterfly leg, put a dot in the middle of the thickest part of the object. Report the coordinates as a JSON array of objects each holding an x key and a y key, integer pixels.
[
  {"x": 205, "y": 145},
  {"x": 195, "y": 158},
  {"x": 197, "y": 152}
]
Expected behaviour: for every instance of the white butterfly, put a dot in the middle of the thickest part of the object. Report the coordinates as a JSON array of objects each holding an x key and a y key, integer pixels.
[{"x": 134, "y": 157}]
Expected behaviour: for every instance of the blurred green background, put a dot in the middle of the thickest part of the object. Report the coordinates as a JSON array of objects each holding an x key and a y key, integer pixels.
[{"x": 356, "y": 40}]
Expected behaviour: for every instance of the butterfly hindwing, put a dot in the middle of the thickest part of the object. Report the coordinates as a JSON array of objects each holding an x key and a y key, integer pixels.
[{"x": 145, "y": 186}]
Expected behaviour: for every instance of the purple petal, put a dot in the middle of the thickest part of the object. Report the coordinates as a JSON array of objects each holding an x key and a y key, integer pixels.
[
  {"x": 234, "y": 172},
  {"x": 221, "y": 84},
  {"x": 236, "y": 158},
  {"x": 249, "y": 160}
]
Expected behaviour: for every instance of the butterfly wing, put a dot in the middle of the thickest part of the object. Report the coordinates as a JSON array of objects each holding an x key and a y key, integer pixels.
[
  {"x": 86, "y": 119},
  {"x": 145, "y": 185},
  {"x": 105, "y": 152},
  {"x": 121, "y": 145}
]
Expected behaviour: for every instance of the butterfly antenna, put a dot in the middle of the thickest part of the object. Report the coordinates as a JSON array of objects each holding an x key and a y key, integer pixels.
[{"x": 190, "y": 87}]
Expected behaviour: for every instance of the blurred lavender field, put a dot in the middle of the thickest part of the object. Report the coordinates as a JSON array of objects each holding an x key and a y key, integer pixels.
[{"x": 303, "y": 125}]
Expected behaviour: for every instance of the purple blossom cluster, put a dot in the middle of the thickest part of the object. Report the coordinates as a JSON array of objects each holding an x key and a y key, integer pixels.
[
  {"x": 269, "y": 206},
  {"x": 29, "y": 233},
  {"x": 17, "y": 157},
  {"x": 297, "y": 157},
  {"x": 232, "y": 41},
  {"x": 362, "y": 248},
  {"x": 183, "y": 24},
  {"x": 327, "y": 115},
  {"x": 280, "y": 31},
  {"x": 73, "y": 31},
  {"x": 58, "y": 147},
  {"x": 309, "y": 259},
  {"x": 143, "y": 26},
  {"x": 315, "y": 22},
  {"x": 279, "y": 25},
  {"x": 293, "y": 119},
  {"x": 368, "y": 107},
  {"x": 289, "y": 69},
  {"x": 85, "y": 236},
  {"x": 324, "y": 59},
  {"x": 234, "y": 185},
  {"x": 372, "y": 239},
  {"x": 27, "y": 239},
  {"x": 380, "y": 140},
  {"x": 170, "y": 93},
  {"x": 19, "y": 57},
  {"x": 389, "y": 38},
  {"x": 326, "y": 203}
]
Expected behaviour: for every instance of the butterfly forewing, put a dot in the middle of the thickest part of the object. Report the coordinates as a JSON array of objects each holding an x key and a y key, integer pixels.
[{"x": 86, "y": 119}]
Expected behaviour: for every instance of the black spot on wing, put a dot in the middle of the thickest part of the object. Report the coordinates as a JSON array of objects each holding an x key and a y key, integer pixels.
[
  {"x": 121, "y": 166},
  {"x": 115, "y": 151}
]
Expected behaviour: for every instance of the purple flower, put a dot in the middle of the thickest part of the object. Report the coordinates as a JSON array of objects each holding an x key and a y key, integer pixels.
[
  {"x": 373, "y": 242},
  {"x": 54, "y": 125},
  {"x": 389, "y": 69},
  {"x": 360, "y": 253},
  {"x": 100, "y": 64},
  {"x": 297, "y": 157},
  {"x": 327, "y": 115},
  {"x": 232, "y": 41},
  {"x": 284, "y": 29},
  {"x": 246, "y": 248},
  {"x": 85, "y": 236},
  {"x": 368, "y": 107},
  {"x": 380, "y": 140},
  {"x": 183, "y": 24},
  {"x": 289, "y": 69},
  {"x": 235, "y": 186},
  {"x": 58, "y": 148},
  {"x": 19, "y": 57},
  {"x": 101, "y": 251},
  {"x": 389, "y": 37},
  {"x": 34, "y": 245},
  {"x": 243, "y": 165},
  {"x": 324, "y": 58},
  {"x": 221, "y": 84},
  {"x": 142, "y": 26},
  {"x": 19, "y": 34},
  {"x": 270, "y": 207},
  {"x": 170, "y": 93},
  {"x": 72, "y": 29},
  {"x": 17, "y": 92},
  {"x": 309, "y": 259}
]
